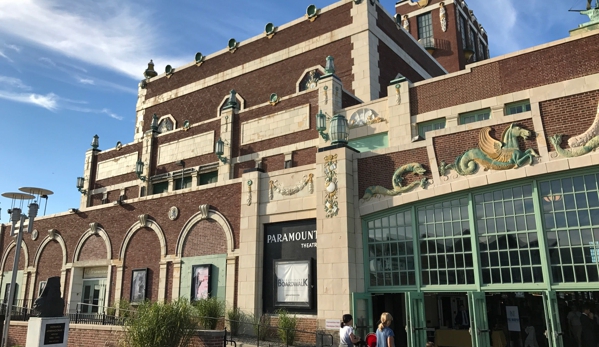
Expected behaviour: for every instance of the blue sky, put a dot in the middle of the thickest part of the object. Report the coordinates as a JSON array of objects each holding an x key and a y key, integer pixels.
[{"x": 70, "y": 69}]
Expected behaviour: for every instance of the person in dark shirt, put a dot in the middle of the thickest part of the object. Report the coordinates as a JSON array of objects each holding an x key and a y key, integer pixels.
[{"x": 589, "y": 327}]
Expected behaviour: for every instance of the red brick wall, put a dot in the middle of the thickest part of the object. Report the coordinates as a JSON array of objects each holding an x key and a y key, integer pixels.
[
  {"x": 143, "y": 251},
  {"x": 390, "y": 64},
  {"x": 50, "y": 263},
  {"x": 379, "y": 170},
  {"x": 304, "y": 156},
  {"x": 94, "y": 248},
  {"x": 240, "y": 167},
  {"x": 205, "y": 238},
  {"x": 299, "y": 136},
  {"x": 545, "y": 66},
  {"x": 579, "y": 110},
  {"x": 273, "y": 163},
  {"x": 399, "y": 36},
  {"x": 347, "y": 100},
  {"x": 256, "y": 86},
  {"x": 298, "y": 33},
  {"x": 107, "y": 182},
  {"x": 11, "y": 259},
  {"x": 448, "y": 147}
]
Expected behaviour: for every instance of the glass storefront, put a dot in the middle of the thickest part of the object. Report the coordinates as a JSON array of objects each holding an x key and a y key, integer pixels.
[{"x": 512, "y": 258}]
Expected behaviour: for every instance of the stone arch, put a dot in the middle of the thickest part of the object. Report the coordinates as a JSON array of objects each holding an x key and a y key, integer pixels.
[
  {"x": 196, "y": 218},
  {"x": 86, "y": 235},
  {"x": 137, "y": 226},
  {"x": 58, "y": 238},
  {"x": 24, "y": 250}
]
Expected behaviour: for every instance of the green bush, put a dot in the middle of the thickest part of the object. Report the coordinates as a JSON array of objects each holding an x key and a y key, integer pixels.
[
  {"x": 161, "y": 325},
  {"x": 261, "y": 326},
  {"x": 209, "y": 312},
  {"x": 236, "y": 317},
  {"x": 287, "y": 326}
]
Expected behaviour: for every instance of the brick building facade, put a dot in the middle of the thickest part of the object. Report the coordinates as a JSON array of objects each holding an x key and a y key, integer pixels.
[{"x": 454, "y": 196}]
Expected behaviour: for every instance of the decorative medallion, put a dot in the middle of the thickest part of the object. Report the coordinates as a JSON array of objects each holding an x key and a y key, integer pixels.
[
  {"x": 173, "y": 213},
  {"x": 312, "y": 13},
  {"x": 249, "y": 200},
  {"x": 378, "y": 191},
  {"x": 165, "y": 125},
  {"x": 492, "y": 154},
  {"x": 422, "y": 3},
  {"x": 34, "y": 234},
  {"x": 118, "y": 146},
  {"x": 313, "y": 78},
  {"x": 276, "y": 187},
  {"x": 580, "y": 144},
  {"x": 233, "y": 44},
  {"x": 270, "y": 30},
  {"x": 274, "y": 99},
  {"x": 443, "y": 16},
  {"x": 364, "y": 116},
  {"x": 199, "y": 58},
  {"x": 326, "y": 94},
  {"x": 331, "y": 206},
  {"x": 186, "y": 125}
]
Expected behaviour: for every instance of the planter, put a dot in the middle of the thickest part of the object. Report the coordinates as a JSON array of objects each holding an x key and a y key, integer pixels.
[{"x": 209, "y": 338}]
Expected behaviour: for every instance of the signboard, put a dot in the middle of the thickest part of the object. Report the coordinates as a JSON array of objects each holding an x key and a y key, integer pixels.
[
  {"x": 513, "y": 318},
  {"x": 200, "y": 286},
  {"x": 293, "y": 284},
  {"x": 54, "y": 334},
  {"x": 332, "y": 324}
]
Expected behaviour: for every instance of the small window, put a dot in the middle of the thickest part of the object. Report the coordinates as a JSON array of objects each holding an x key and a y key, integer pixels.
[
  {"x": 462, "y": 31},
  {"x": 517, "y": 107},
  {"x": 425, "y": 127},
  {"x": 425, "y": 26},
  {"x": 159, "y": 188},
  {"x": 475, "y": 116},
  {"x": 182, "y": 183},
  {"x": 208, "y": 177},
  {"x": 288, "y": 164}
]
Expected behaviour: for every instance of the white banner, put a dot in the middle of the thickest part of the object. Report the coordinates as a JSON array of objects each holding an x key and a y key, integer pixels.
[
  {"x": 293, "y": 282},
  {"x": 513, "y": 318}
]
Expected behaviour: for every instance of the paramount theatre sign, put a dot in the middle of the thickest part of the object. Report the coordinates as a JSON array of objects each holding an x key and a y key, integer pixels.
[{"x": 290, "y": 266}]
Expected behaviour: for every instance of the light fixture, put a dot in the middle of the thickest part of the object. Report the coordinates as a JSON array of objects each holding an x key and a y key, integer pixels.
[
  {"x": 219, "y": 150},
  {"x": 417, "y": 138},
  {"x": 339, "y": 130},
  {"x": 468, "y": 53},
  {"x": 329, "y": 67},
  {"x": 120, "y": 200},
  {"x": 550, "y": 198},
  {"x": 232, "y": 102},
  {"x": 139, "y": 170},
  {"x": 429, "y": 44},
  {"x": 95, "y": 142},
  {"x": 321, "y": 125},
  {"x": 73, "y": 210},
  {"x": 154, "y": 124},
  {"x": 80, "y": 183}
]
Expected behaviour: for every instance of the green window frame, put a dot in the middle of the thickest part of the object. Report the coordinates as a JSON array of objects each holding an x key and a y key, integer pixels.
[
  {"x": 425, "y": 127},
  {"x": 160, "y": 187},
  {"x": 517, "y": 107},
  {"x": 475, "y": 116},
  {"x": 208, "y": 177},
  {"x": 425, "y": 26},
  {"x": 182, "y": 183}
]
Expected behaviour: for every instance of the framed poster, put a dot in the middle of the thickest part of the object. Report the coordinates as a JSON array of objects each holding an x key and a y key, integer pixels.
[
  {"x": 200, "y": 282},
  {"x": 41, "y": 287},
  {"x": 139, "y": 281},
  {"x": 293, "y": 285}
]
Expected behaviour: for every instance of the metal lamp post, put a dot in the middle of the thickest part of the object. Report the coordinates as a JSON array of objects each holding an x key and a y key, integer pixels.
[{"x": 17, "y": 220}]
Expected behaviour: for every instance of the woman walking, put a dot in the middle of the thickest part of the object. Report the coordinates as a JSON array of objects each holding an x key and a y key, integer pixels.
[{"x": 384, "y": 334}]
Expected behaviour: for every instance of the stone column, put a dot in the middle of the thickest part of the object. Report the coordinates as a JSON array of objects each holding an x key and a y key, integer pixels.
[
  {"x": 227, "y": 118},
  {"x": 32, "y": 291},
  {"x": 118, "y": 287},
  {"x": 250, "y": 246},
  {"x": 337, "y": 246},
  {"x": 230, "y": 281},
  {"x": 91, "y": 160},
  {"x": 162, "y": 281},
  {"x": 146, "y": 157},
  {"x": 398, "y": 115},
  {"x": 176, "y": 277}
]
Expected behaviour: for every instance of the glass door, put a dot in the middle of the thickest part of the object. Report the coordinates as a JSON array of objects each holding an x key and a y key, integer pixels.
[
  {"x": 416, "y": 319},
  {"x": 362, "y": 313},
  {"x": 552, "y": 320},
  {"x": 91, "y": 296},
  {"x": 479, "y": 324}
]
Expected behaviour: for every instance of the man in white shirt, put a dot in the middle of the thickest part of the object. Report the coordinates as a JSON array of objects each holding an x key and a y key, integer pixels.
[{"x": 574, "y": 324}]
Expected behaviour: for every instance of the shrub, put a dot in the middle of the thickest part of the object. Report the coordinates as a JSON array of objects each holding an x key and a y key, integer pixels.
[
  {"x": 287, "y": 325},
  {"x": 261, "y": 326},
  {"x": 209, "y": 311},
  {"x": 161, "y": 325},
  {"x": 236, "y": 317}
]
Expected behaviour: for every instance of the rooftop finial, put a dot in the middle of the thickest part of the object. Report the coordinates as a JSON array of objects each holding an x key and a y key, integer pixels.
[{"x": 149, "y": 73}]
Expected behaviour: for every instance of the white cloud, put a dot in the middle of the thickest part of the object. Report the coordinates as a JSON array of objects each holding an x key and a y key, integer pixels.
[
  {"x": 13, "y": 82},
  {"x": 48, "y": 101},
  {"x": 86, "y": 80},
  {"x": 110, "y": 33},
  {"x": 95, "y": 111},
  {"x": 5, "y": 57},
  {"x": 48, "y": 61},
  {"x": 13, "y": 47}
]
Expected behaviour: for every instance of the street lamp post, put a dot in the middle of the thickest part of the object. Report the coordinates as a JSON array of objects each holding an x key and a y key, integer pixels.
[{"x": 18, "y": 218}]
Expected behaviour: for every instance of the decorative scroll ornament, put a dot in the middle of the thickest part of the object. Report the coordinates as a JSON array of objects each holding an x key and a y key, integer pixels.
[
  {"x": 397, "y": 179},
  {"x": 397, "y": 91},
  {"x": 249, "y": 200},
  {"x": 143, "y": 220},
  {"x": 173, "y": 213},
  {"x": 276, "y": 187},
  {"x": 204, "y": 211},
  {"x": 492, "y": 154},
  {"x": 364, "y": 116},
  {"x": 326, "y": 94},
  {"x": 52, "y": 234},
  {"x": 405, "y": 23},
  {"x": 580, "y": 144},
  {"x": 93, "y": 227},
  {"x": 331, "y": 206},
  {"x": 443, "y": 16}
]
